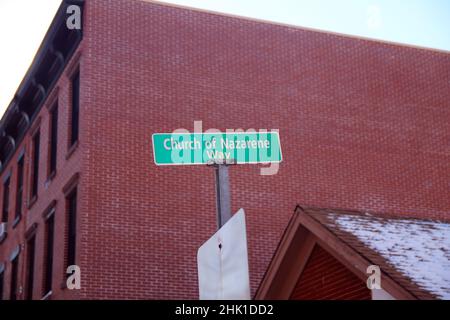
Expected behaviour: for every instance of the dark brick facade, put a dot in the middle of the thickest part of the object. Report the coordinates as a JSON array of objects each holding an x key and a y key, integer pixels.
[
  {"x": 325, "y": 278},
  {"x": 363, "y": 125}
]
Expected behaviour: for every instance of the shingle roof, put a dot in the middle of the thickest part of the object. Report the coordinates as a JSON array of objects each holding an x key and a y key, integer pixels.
[{"x": 413, "y": 252}]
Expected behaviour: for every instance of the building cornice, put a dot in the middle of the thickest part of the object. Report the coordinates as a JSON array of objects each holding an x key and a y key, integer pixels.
[{"x": 52, "y": 57}]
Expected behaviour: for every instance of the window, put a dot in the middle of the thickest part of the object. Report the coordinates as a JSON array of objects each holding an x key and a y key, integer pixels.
[
  {"x": 53, "y": 138},
  {"x": 31, "y": 245},
  {"x": 49, "y": 236},
  {"x": 35, "y": 164},
  {"x": 2, "y": 281},
  {"x": 19, "y": 193},
  {"x": 75, "y": 108},
  {"x": 14, "y": 274},
  {"x": 5, "y": 209},
  {"x": 72, "y": 226}
]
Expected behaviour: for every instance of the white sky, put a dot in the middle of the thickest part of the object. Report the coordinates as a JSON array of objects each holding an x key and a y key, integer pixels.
[{"x": 23, "y": 24}]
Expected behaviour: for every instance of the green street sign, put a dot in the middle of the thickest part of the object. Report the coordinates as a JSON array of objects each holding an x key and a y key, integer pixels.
[{"x": 202, "y": 148}]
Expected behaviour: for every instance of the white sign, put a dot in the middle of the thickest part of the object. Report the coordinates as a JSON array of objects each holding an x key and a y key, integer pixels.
[{"x": 223, "y": 263}]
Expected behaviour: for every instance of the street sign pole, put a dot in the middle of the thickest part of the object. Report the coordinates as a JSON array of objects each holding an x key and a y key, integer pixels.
[{"x": 223, "y": 195}]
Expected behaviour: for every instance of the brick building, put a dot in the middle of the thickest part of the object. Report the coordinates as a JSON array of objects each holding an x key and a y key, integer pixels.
[{"x": 363, "y": 126}]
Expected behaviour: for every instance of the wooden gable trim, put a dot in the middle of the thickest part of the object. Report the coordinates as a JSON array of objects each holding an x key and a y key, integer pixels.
[
  {"x": 288, "y": 262},
  {"x": 302, "y": 234},
  {"x": 350, "y": 258}
]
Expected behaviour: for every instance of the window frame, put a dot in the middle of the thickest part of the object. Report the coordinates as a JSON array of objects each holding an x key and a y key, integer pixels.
[
  {"x": 30, "y": 267},
  {"x": 35, "y": 159},
  {"x": 2, "y": 280},
  {"x": 71, "y": 227},
  {"x": 49, "y": 248},
  {"x": 14, "y": 281},
  {"x": 75, "y": 108},
  {"x": 20, "y": 180},
  {"x": 53, "y": 140},
  {"x": 6, "y": 194}
]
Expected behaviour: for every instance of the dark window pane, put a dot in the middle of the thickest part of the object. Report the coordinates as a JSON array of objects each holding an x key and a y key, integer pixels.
[
  {"x": 19, "y": 193},
  {"x": 49, "y": 254},
  {"x": 72, "y": 226},
  {"x": 53, "y": 138},
  {"x": 30, "y": 268},
  {"x": 5, "y": 209},
  {"x": 75, "y": 108},
  {"x": 36, "y": 144},
  {"x": 2, "y": 279},
  {"x": 14, "y": 274}
]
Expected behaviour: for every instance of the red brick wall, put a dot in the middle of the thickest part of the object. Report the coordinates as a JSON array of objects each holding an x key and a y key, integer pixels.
[
  {"x": 325, "y": 278},
  {"x": 363, "y": 125}
]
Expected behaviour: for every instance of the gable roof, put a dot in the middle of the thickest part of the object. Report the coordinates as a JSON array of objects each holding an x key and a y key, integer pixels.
[{"x": 415, "y": 253}]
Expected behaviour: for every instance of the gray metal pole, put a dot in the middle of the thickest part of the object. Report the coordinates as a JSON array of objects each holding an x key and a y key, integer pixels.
[{"x": 223, "y": 196}]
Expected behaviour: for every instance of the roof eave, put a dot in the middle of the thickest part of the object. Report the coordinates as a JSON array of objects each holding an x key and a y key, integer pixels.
[{"x": 32, "y": 93}]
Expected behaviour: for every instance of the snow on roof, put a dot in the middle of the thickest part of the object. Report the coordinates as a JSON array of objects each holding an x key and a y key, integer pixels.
[{"x": 418, "y": 249}]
